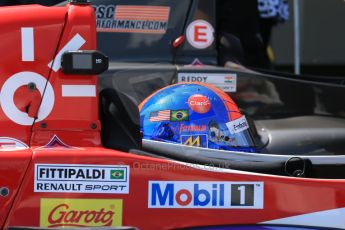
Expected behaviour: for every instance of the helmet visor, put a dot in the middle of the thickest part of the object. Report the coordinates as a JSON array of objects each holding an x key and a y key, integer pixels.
[{"x": 235, "y": 136}]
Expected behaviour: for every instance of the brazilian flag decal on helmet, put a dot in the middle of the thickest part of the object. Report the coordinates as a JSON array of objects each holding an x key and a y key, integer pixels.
[{"x": 179, "y": 115}]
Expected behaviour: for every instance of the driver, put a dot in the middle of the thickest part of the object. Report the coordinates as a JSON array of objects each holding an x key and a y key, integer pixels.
[{"x": 195, "y": 114}]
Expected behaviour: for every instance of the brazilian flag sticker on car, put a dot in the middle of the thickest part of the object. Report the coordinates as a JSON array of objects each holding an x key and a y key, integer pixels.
[
  {"x": 179, "y": 115},
  {"x": 117, "y": 174}
]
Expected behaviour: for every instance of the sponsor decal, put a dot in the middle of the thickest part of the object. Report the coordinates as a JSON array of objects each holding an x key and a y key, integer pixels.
[
  {"x": 195, "y": 140},
  {"x": 8, "y": 144},
  {"x": 56, "y": 143},
  {"x": 199, "y": 103},
  {"x": 206, "y": 194},
  {"x": 192, "y": 128},
  {"x": 77, "y": 178},
  {"x": 179, "y": 115},
  {"x": 132, "y": 19},
  {"x": 162, "y": 115},
  {"x": 76, "y": 213},
  {"x": 224, "y": 81},
  {"x": 238, "y": 125},
  {"x": 200, "y": 34},
  {"x": 192, "y": 77}
]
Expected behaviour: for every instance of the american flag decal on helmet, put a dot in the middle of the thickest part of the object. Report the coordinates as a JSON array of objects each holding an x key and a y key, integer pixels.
[{"x": 162, "y": 115}]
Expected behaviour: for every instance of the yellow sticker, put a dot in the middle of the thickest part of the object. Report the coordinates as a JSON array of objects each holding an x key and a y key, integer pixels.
[
  {"x": 73, "y": 213},
  {"x": 193, "y": 142}
]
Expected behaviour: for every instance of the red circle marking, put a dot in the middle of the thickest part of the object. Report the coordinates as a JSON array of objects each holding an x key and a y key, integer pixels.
[
  {"x": 183, "y": 202},
  {"x": 199, "y": 103}
]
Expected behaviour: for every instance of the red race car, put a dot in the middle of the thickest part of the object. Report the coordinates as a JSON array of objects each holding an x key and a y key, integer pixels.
[{"x": 71, "y": 157}]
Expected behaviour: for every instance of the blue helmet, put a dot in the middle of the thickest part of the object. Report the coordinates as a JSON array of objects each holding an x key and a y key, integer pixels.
[{"x": 195, "y": 114}]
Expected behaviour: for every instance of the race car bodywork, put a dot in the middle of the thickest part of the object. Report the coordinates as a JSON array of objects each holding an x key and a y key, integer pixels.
[{"x": 58, "y": 168}]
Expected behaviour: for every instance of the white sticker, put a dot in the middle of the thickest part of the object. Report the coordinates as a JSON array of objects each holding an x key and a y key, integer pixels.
[
  {"x": 79, "y": 90},
  {"x": 15, "y": 82},
  {"x": 8, "y": 144},
  {"x": 200, "y": 34},
  {"x": 78, "y": 178},
  {"x": 224, "y": 81},
  {"x": 206, "y": 194},
  {"x": 238, "y": 125},
  {"x": 28, "y": 44}
]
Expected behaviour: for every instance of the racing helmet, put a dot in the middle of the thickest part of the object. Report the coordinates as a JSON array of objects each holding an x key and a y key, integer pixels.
[{"x": 195, "y": 114}]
